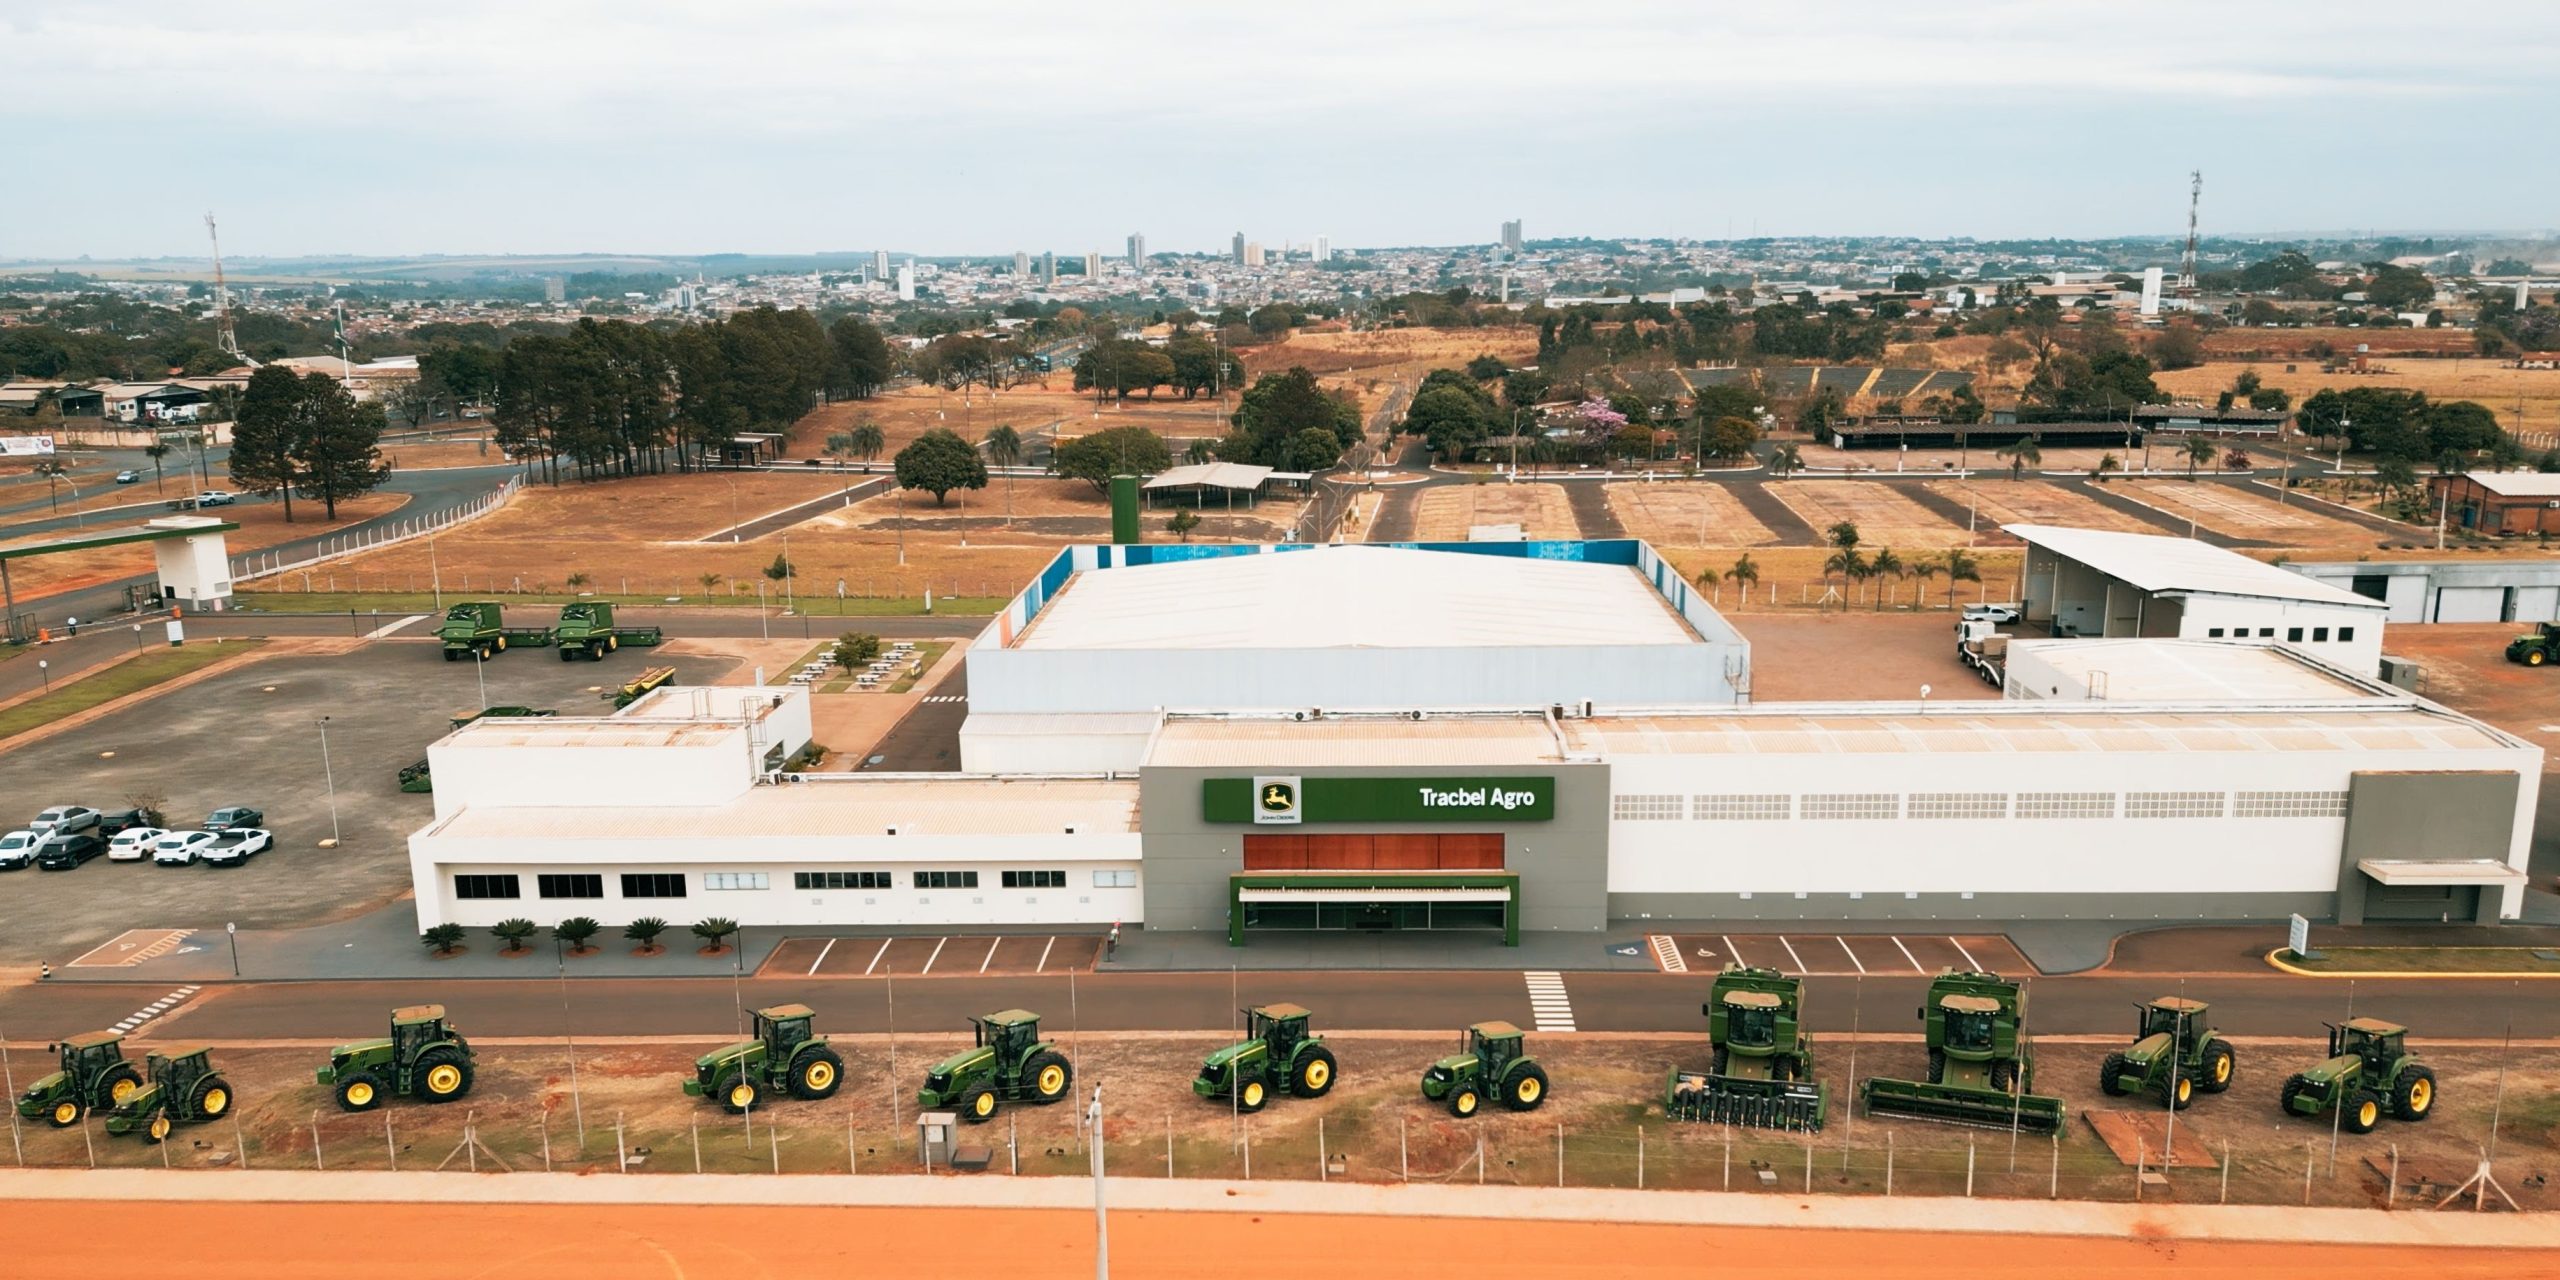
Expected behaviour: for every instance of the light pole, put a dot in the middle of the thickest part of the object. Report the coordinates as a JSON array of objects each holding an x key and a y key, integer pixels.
[
  {"x": 788, "y": 604},
  {"x": 329, "y": 778},
  {"x": 45, "y": 669},
  {"x": 1101, "y": 1220},
  {"x": 480, "y": 672},
  {"x": 734, "y": 518},
  {"x": 137, "y": 637},
  {"x": 2343, "y": 425}
]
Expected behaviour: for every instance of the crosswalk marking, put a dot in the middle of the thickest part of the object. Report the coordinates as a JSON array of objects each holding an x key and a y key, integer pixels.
[
  {"x": 1666, "y": 952},
  {"x": 946, "y": 697},
  {"x": 154, "y": 1009},
  {"x": 1549, "y": 1008}
]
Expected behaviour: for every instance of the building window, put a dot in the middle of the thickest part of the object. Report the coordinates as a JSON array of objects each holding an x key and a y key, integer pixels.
[
  {"x": 2319, "y": 635},
  {"x": 735, "y": 880},
  {"x": 2213, "y": 633},
  {"x": 2173, "y": 804},
  {"x": 2293, "y": 635},
  {"x": 486, "y": 887},
  {"x": 843, "y": 880},
  {"x": 946, "y": 879},
  {"x": 1035, "y": 879},
  {"x": 566, "y": 886},
  {"x": 2346, "y": 634},
  {"x": 1741, "y": 807},
  {"x": 2289, "y": 804},
  {"x": 2266, "y": 633},
  {"x": 2066, "y": 804},
  {"x": 1959, "y": 804},
  {"x": 1645, "y": 808},
  {"x": 653, "y": 885},
  {"x": 1115, "y": 879},
  {"x": 1853, "y": 805}
]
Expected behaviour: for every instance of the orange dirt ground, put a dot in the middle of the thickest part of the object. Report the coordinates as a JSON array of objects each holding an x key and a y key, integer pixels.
[
  {"x": 1686, "y": 514},
  {"x": 463, "y": 451},
  {"x": 1999, "y": 502},
  {"x": 1884, "y": 516},
  {"x": 2494, "y": 383},
  {"x": 1448, "y": 511},
  {"x": 261, "y": 525},
  {"x": 675, "y": 1242},
  {"x": 2242, "y": 514}
]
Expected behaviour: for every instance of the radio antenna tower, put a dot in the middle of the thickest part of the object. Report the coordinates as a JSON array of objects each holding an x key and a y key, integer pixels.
[
  {"x": 2187, "y": 260},
  {"x": 225, "y": 337}
]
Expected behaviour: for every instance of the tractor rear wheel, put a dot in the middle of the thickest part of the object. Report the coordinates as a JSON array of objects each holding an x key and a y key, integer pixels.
[
  {"x": 116, "y": 1084},
  {"x": 2535, "y": 657},
  {"x": 818, "y": 1073},
  {"x": 1046, "y": 1077},
  {"x": 736, "y": 1093},
  {"x": 1463, "y": 1101},
  {"x": 2219, "y": 1064},
  {"x": 444, "y": 1074},
  {"x": 1314, "y": 1076},
  {"x": 2112, "y": 1070},
  {"x": 2414, "y": 1097},
  {"x": 157, "y": 1131},
  {"x": 568, "y": 654},
  {"x": 2363, "y": 1111},
  {"x": 359, "y": 1091},
  {"x": 978, "y": 1104},
  {"x": 210, "y": 1098},
  {"x": 66, "y": 1112},
  {"x": 1525, "y": 1088},
  {"x": 1252, "y": 1095}
]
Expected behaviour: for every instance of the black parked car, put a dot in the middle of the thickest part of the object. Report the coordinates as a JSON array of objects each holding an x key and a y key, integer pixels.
[
  {"x": 66, "y": 850},
  {"x": 115, "y": 820},
  {"x": 238, "y": 815}
]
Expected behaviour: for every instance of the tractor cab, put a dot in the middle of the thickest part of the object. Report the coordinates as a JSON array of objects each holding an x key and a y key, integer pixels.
[
  {"x": 783, "y": 1029},
  {"x": 84, "y": 1057},
  {"x": 1280, "y": 1027},
  {"x": 2180, "y": 1020},
  {"x": 1971, "y": 1024},
  {"x": 1494, "y": 1045},
  {"x": 414, "y": 1029},
  {"x": 2379, "y": 1044},
  {"x": 1751, "y": 1019},
  {"x": 1011, "y": 1033},
  {"x": 2536, "y": 647},
  {"x": 175, "y": 1071}
]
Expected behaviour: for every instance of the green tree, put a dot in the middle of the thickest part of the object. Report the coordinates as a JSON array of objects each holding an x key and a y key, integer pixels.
[
  {"x": 1745, "y": 574},
  {"x": 575, "y": 932},
  {"x": 2024, "y": 452},
  {"x": 271, "y": 429},
  {"x": 1885, "y": 564},
  {"x": 645, "y": 931},
  {"x": 854, "y": 649},
  {"x": 866, "y": 440},
  {"x": 1201, "y": 449},
  {"x": 1003, "y": 447},
  {"x": 1314, "y": 449},
  {"x": 2395, "y": 476},
  {"x": 1728, "y": 438},
  {"x": 939, "y": 462},
  {"x": 1959, "y": 566},
  {"x": 1094, "y": 459},
  {"x": 1486, "y": 368},
  {"x": 780, "y": 570},
  {"x": 2396, "y": 288},
  {"x": 1449, "y": 418},
  {"x": 513, "y": 931},
  {"x": 1843, "y": 535},
  {"x": 1280, "y": 405},
  {"x": 445, "y": 938},
  {"x": 2198, "y": 450},
  {"x": 339, "y": 454},
  {"x": 1785, "y": 459},
  {"x": 714, "y": 933},
  {"x": 708, "y": 581},
  {"x": 1182, "y": 523},
  {"x": 858, "y": 360},
  {"x": 2180, "y": 346}
]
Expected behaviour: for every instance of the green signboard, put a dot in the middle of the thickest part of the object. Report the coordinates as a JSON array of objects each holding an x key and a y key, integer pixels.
[{"x": 1288, "y": 800}]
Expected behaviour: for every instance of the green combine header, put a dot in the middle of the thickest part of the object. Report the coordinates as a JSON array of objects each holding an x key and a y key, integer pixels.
[
  {"x": 651, "y": 680},
  {"x": 1760, "y": 1074},
  {"x": 1981, "y": 1067},
  {"x": 586, "y": 630}
]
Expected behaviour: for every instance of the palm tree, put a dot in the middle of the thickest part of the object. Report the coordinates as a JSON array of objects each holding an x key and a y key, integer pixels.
[
  {"x": 1843, "y": 535},
  {"x": 2022, "y": 453},
  {"x": 1707, "y": 579},
  {"x": 1784, "y": 459},
  {"x": 1004, "y": 448},
  {"x": 1885, "y": 565},
  {"x": 53, "y": 472},
  {"x": 2106, "y": 464},
  {"x": 156, "y": 450},
  {"x": 1745, "y": 574},
  {"x": 708, "y": 581},
  {"x": 577, "y": 581},
  {"x": 2198, "y": 450},
  {"x": 867, "y": 440},
  {"x": 645, "y": 931},
  {"x": 1846, "y": 562},
  {"x": 1959, "y": 567},
  {"x": 1925, "y": 571}
]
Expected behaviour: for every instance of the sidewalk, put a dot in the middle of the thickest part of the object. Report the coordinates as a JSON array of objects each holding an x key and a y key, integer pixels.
[{"x": 1542, "y": 1204}]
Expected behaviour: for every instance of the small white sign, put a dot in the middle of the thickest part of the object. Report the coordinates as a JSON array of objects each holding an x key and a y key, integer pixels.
[
  {"x": 2297, "y": 936},
  {"x": 26, "y": 446}
]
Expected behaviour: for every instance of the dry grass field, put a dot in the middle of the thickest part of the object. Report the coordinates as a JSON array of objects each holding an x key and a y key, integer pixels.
[
  {"x": 1405, "y": 353},
  {"x": 1885, "y": 516},
  {"x": 1448, "y": 511},
  {"x": 2491, "y": 382},
  {"x": 421, "y": 455},
  {"x": 1044, "y": 409},
  {"x": 2000, "y": 502},
  {"x": 1687, "y": 514},
  {"x": 2236, "y": 512},
  {"x": 261, "y": 522}
]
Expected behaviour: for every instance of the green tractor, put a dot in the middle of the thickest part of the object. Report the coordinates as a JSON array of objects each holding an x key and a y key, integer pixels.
[
  {"x": 2174, "y": 1053},
  {"x": 2536, "y": 648},
  {"x": 783, "y": 1055},
  {"x": 422, "y": 1057},
  {"x": 1494, "y": 1057},
  {"x": 1009, "y": 1063},
  {"x": 1761, "y": 1072},
  {"x": 184, "y": 1087},
  {"x": 1277, "y": 1054},
  {"x": 1981, "y": 1066},
  {"x": 92, "y": 1076},
  {"x": 2369, "y": 1067}
]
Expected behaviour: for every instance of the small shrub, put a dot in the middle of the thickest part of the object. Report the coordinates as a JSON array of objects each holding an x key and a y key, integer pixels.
[
  {"x": 645, "y": 931},
  {"x": 576, "y": 932},
  {"x": 445, "y": 938}
]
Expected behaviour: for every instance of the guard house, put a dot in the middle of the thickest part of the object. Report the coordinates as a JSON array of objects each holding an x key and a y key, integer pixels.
[{"x": 194, "y": 563}]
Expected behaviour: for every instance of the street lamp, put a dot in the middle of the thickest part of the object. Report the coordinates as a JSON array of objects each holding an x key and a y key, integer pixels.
[
  {"x": 45, "y": 669},
  {"x": 328, "y": 777}
]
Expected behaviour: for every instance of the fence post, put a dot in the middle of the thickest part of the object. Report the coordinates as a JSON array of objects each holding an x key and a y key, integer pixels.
[
  {"x": 239, "y": 1140},
  {"x": 471, "y": 1139},
  {"x": 1808, "y": 1168},
  {"x": 695, "y": 1123},
  {"x": 318, "y": 1161},
  {"x": 773, "y": 1134},
  {"x": 2310, "y": 1157},
  {"x": 1968, "y": 1166},
  {"x": 1323, "y": 1174},
  {"x": 2053, "y": 1187},
  {"x": 621, "y": 1155},
  {"x": 1248, "y": 1151},
  {"x": 1888, "y": 1163},
  {"x": 1559, "y": 1154},
  {"x": 2226, "y": 1174},
  {"x": 1168, "y": 1144},
  {"x": 2141, "y": 1154},
  {"x": 1479, "y": 1159},
  {"x": 1012, "y": 1143},
  {"x": 546, "y": 1140},
  {"x": 1639, "y": 1157},
  {"x": 851, "y": 1163},
  {"x": 1404, "y": 1153},
  {"x": 2391, "y": 1193},
  {"x": 390, "y": 1144}
]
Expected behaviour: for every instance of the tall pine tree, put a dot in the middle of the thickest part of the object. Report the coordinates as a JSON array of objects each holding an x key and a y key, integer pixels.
[
  {"x": 340, "y": 455},
  {"x": 267, "y": 433}
]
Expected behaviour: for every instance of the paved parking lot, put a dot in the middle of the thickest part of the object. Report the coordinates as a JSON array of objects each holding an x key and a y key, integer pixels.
[
  {"x": 933, "y": 955},
  {"x": 251, "y": 736},
  {"x": 1838, "y": 954}
]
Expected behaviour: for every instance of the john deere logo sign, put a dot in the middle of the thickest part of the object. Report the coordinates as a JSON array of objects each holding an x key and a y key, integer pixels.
[{"x": 1275, "y": 799}]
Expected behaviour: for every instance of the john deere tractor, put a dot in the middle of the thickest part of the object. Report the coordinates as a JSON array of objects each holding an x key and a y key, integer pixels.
[
  {"x": 92, "y": 1076},
  {"x": 422, "y": 1057},
  {"x": 1493, "y": 1060},
  {"x": 2175, "y": 1053},
  {"x": 2537, "y": 647},
  {"x": 1277, "y": 1056},
  {"x": 1761, "y": 1070},
  {"x": 782, "y": 1056},
  {"x": 2369, "y": 1067},
  {"x": 184, "y": 1088},
  {"x": 1981, "y": 1066},
  {"x": 1010, "y": 1063}
]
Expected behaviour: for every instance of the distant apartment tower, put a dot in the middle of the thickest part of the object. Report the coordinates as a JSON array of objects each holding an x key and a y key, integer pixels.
[
  {"x": 1239, "y": 248},
  {"x": 1048, "y": 268},
  {"x": 554, "y": 289},
  {"x": 1021, "y": 263},
  {"x": 879, "y": 264},
  {"x": 1323, "y": 250},
  {"x": 2151, "y": 279},
  {"x": 907, "y": 281},
  {"x": 1137, "y": 251},
  {"x": 1511, "y": 237},
  {"x": 1253, "y": 256}
]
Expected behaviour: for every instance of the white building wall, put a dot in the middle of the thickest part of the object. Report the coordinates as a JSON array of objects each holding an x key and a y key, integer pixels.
[
  {"x": 1063, "y": 744},
  {"x": 711, "y": 771},
  {"x": 2361, "y": 655},
  {"x": 1045, "y": 680}
]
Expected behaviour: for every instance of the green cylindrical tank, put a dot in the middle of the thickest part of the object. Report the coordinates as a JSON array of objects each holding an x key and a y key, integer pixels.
[{"x": 1124, "y": 509}]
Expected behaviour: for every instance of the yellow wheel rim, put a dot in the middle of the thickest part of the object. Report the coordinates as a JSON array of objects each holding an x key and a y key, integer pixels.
[
  {"x": 360, "y": 1093},
  {"x": 985, "y": 1105},
  {"x": 2421, "y": 1094},
  {"x": 1530, "y": 1089},
  {"x": 2186, "y": 1089},
  {"x": 1318, "y": 1073},
  {"x": 121, "y": 1090},
  {"x": 444, "y": 1078},
  {"x": 159, "y": 1126},
  {"x": 821, "y": 1074},
  {"x": 216, "y": 1101},
  {"x": 1052, "y": 1078},
  {"x": 1467, "y": 1103},
  {"x": 1253, "y": 1094},
  {"x": 741, "y": 1095},
  {"x": 2368, "y": 1113},
  {"x": 65, "y": 1112},
  {"x": 2221, "y": 1070}
]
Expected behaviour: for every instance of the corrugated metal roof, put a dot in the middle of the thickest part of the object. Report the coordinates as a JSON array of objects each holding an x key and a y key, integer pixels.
[
  {"x": 1216, "y": 475},
  {"x": 2516, "y": 484},
  {"x": 2155, "y": 563},
  {"x": 856, "y": 807},
  {"x": 1259, "y": 743},
  {"x": 2160, "y": 670},
  {"x": 1939, "y": 733}
]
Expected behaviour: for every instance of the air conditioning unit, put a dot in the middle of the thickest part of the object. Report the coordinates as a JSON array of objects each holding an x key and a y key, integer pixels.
[{"x": 891, "y": 830}]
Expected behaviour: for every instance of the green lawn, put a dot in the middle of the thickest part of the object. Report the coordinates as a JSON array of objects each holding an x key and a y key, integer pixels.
[
  {"x": 153, "y": 667},
  {"x": 841, "y": 681},
  {"x": 2424, "y": 960},
  {"x": 406, "y": 602}
]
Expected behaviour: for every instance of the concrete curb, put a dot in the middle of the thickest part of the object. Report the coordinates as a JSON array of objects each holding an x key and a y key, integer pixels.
[{"x": 2394, "y": 973}]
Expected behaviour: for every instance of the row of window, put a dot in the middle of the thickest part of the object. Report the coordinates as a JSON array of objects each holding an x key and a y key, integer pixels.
[
  {"x": 1924, "y": 805},
  {"x": 672, "y": 884},
  {"x": 2292, "y": 635}
]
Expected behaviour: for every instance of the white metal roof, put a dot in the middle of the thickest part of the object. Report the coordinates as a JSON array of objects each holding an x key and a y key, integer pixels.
[
  {"x": 1908, "y": 731},
  {"x": 960, "y": 805},
  {"x": 2161, "y": 670},
  {"x": 2516, "y": 484},
  {"x": 2156, "y": 563},
  {"x": 2398, "y": 871},
  {"x": 1340, "y": 742},
  {"x": 1216, "y": 475},
  {"x": 1356, "y": 597}
]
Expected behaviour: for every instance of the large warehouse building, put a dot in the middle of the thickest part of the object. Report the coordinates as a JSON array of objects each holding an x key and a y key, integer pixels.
[{"x": 2129, "y": 778}]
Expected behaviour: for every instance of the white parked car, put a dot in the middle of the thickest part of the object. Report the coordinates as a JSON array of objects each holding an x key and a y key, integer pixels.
[
  {"x": 18, "y": 849},
  {"x": 180, "y": 848},
  {"x": 133, "y": 844},
  {"x": 1993, "y": 613},
  {"x": 236, "y": 846},
  {"x": 64, "y": 818}
]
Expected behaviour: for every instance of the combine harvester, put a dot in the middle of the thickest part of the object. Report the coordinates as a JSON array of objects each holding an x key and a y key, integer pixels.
[
  {"x": 1981, "y": 1068},
  {"x": 1761, "y": 1072},
  {"x": 477, "y": 629},
  {"x": 586, "y": 630}
]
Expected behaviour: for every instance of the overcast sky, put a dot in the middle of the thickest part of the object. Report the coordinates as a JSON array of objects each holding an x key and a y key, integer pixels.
[{"x": 946, "y": 126}]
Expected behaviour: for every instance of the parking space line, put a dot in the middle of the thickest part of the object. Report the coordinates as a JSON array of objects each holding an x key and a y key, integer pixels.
[
  {"x": 1791, "y": 954},
  {"x": 938, "y": 945},
  {"x": 1731, "y": 952},
  {"x": 1916, "y": 966},
  {"x": 1969, "y": 961},
  {"x": 1043, "y": 966},
  {"x": 381, "y": 631},
  {"x": 875, "y": 956},
  {"x": 992, "y": 944},
  {"x": 1853, "y": 956},
  {"x": 822, "y": 954}
]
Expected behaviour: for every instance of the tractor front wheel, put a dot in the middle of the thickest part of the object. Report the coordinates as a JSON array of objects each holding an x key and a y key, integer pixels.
[
  {"x": 1937, "y": 1066},
  {"x": 1047, "y": 1075},
  {"x": 1314, "y": 1077},
  {"x": 2535, "y": 657},
  {"x": 65, "y": 1113},
  {"x": 978, "y": 1104},
  {"x": 2414, "y": 1097},
  {"x": 119, "y": 1082},
  {"x": 737, "y": 1093},
  {"x": 2219, "y": 1064},
  {"x": 359, "y": 1091},
  {"x": 2112, "y": 1070},
  {"x": 443, "y": 1074},
  {"x": 1463, "y": 1101},
  {"x": 568, "y": 654},
  {"x": 1526, "y": 1088},
  {"x": 157, "y": 1131},
  {"x": 1252, "y": 1095},
  {"x": 211, "y": 1098},
  {"x": 2182, "y": 1089},
  {"x": 817, "y": 1074},
  {"x": 2363, "y": 1111}
]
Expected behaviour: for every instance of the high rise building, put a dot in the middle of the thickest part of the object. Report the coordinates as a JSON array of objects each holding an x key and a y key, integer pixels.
[
  {"x": 1093, "y": 265},
  {"x": 879, "y": 264},
  {"x": 907, "y": 281},
  {"x": 1138, "y": 250},
  {"x": 1324, "y": 249},
  {"x": 1048, "y": 268},
  {"x": 1253, "y": 254},
  {"x": 1239, "y": 247},
  {"x": 1511, "y": 238},
  {"x": 1021, "y": 263},
  {"x": 554, "y": 289}
]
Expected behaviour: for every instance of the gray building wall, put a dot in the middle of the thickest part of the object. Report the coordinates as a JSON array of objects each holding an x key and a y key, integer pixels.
[
  {"x": 2481, "y": 591},
  {"x": 2443, "y": 817},
  {"x": 1501, "y": 676},
  {"x": 1563, "y": 863}
]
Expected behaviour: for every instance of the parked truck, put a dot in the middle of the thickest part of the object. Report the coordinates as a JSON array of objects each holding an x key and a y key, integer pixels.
[
  {"x": 1981, "y": 646},
  {"x": 478, "y": 628},
  {"x": 586, "y": 630}
]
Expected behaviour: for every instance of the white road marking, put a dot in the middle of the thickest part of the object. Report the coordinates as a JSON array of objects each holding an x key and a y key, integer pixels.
[
  {"x": 1853, "y": 956},
  {"x": 386, "y": 629},
  {"x": 154, "y": 1009},
  {"x": 1043, "y": 966},
  {"x": 822, "y": 955},
  {"x": 938, "y": 945},
  {"x": 1666, "y": 952},
  {"x": 1916, "y": 966},
  {"x": 1969, "y": 961},
  {"x": 1549, "y": 1006},
  {"x": 992, "y": 944},
  {"x": 1732, "y": 950},
  {"x": 875, "y": 957},
  {"x": 1791, "y": 954}
]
